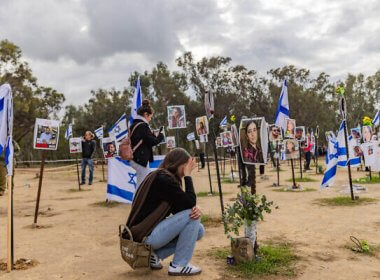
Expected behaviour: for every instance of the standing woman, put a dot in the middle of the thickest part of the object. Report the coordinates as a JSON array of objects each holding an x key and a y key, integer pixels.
[{"x": 143, "y": 140}]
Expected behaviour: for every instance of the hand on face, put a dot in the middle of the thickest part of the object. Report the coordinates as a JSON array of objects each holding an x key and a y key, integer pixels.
[{"x": 189, "y": 167}]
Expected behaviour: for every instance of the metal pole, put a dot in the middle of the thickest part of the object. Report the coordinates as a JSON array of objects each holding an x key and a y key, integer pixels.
[
  {"x": 76, "y": 157},
  {"x": 278, "y": 163},
  {"x": 217, "y": 170},
  {"x": 208, "y": 167},
  {"x": 39, "y": 186},
  {"x": 294, "y": 179},
  {"x": 10, "y": 225},
  {"x": 348, "y": 160},
  {"x": 316, "y": 155},
  {"x": 299, "y": 149}
]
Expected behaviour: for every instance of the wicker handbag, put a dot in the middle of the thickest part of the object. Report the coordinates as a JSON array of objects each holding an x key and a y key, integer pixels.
[{"x": 136, "y": 254}]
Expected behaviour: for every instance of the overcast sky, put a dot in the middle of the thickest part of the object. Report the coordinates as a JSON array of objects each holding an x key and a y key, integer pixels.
[{"x": 78, "y": 45}]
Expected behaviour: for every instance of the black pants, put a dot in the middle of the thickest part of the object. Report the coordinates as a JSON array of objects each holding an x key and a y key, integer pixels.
[
  {"x": 308, "y": 159},
  {"x": 243, "y": 171},
  {"x": 202, "y": 159}
]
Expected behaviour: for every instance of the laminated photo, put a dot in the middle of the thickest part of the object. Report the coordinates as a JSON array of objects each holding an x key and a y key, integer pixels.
[
  {"x": 253, "y": 137},
  {"x": 170, "y": 142},
  {"x": 201, "y": 125},
  {"x": 46, "y": 134},
  {"x": 75, "y": 145},
  {"x": 177, "y": 117},
  {"x": 290, "y": 131},
  {"x": 109, "y": 147}
]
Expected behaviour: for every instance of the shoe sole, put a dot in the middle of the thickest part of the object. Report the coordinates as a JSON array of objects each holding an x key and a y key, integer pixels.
[{"x": 184, "y": 274}]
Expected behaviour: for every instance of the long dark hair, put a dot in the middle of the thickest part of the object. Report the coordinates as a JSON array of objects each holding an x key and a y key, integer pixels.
[
  {"x": 145, "y": 108},
  {"x": 173, "y": 160}
]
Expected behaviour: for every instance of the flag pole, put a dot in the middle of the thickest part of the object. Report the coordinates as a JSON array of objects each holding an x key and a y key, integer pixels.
[
  {"x": 39, "y": 187},
  {"x": 10, "y": 225},
  {"x": 278, "y": 163}
]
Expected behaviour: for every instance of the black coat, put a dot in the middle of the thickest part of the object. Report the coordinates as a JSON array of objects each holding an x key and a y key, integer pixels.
[{"x": 144, "y": 152}]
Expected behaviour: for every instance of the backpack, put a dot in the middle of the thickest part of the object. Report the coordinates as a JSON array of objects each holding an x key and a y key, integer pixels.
[{"x": 125, "y": 148}]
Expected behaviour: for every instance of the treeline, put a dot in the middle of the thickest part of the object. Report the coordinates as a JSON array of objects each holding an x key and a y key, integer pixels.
[{"x": 238, "y": 91}]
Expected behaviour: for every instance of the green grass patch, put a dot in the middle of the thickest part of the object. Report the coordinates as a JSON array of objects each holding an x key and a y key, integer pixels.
[
  {"x": 367, "y": 180},
  {"x": 205, "y": 194},
  {"x": 276, "y": 259},
  {"x": 344, "y": 201},
  {"x": 304, "y": 180},
  {"x": 229, "y": 180},
  {"x": 210, "y": 221},
  {"x": 107, "y": 204},
  {"x": 366, "y": 248},
  {"x": 294, "y": 191}
]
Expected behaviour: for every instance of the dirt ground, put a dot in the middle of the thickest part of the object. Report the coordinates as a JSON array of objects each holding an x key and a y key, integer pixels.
[{"x": 77, "y": 240}]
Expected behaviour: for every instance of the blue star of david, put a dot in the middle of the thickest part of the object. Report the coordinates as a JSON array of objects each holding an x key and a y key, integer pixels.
[
  {"x": 132, "y": 179},
  {"x": 117, "y": 129}
]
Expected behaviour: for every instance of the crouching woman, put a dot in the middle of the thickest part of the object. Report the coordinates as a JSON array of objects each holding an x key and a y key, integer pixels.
[{"x": 160, "y": 195}]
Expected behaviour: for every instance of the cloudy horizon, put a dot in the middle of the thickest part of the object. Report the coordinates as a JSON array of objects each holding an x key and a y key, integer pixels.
[{"x": 76, "y": 46}]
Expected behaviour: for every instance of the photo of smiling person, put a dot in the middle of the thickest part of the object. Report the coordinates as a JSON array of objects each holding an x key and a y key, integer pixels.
[
  {"x": 290, "y": 128},
  {"x": 177, "y": 117},
  {"x": 250, "y": 141},
  {"x": 367, "y": 133},
  {"x": 275, "y": 133}
]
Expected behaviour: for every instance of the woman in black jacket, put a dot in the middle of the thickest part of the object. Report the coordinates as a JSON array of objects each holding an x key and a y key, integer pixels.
[
  {"x": 142, "y": 141},
  {"x": 160, "y": 195}
]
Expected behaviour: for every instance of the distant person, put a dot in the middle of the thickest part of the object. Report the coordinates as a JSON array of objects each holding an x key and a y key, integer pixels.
[
  {"x": 88, "y": 149},
  {"x": 307, "y": 151},
  {"x": 143, "y": 140}
]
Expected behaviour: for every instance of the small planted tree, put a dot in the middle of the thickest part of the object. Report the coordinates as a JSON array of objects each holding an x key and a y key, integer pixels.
[{"x": 247, "y": 210}]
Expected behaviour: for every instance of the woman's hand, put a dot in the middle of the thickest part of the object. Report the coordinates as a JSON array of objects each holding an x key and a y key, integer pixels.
[
  {"x": 196, "y": 213},
  {"x": 189, "y": 167}
]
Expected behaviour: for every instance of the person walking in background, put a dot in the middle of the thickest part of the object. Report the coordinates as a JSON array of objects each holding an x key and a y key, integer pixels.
[
  {"x": 88, "y": 149},
  {"x": 142, "y": 141},
  {"x": 307, "y": 151}
]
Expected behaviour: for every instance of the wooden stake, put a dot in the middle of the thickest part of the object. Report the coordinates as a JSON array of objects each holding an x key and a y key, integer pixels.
[
  {"x": 103, "y": 169},
  {"x": 76, "y": 157},
  {"x": 39, "y": 186},
  {"x": 278, "y": 163},
  {"x": 208, "y": 167},
  {"x": 299, "y": 149},
  {"x": 10, "y": 225},
  {"x": 294, "y": 179}
]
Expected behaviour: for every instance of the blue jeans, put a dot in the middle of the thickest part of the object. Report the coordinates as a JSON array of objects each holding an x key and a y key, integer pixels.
[
  {"x": 176, "y": 235},
  {"x": 85, "y": 162}
]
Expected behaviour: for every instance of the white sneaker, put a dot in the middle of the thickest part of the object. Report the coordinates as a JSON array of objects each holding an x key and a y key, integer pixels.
[
  {"x": 155, "y": 262},
  {"x": 186, "y": 270}
]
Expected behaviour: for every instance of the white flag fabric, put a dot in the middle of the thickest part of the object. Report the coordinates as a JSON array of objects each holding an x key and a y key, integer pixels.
[
  {"x": 119, "y": 130},
  {"x": 6, "y": 126},
  {"x": 69, "y": 132},
  {"x": 332, "y": 163},
  {"x": 121, "y": 186},
  {"x": 283, "y": 107},
  {"x": 99, "y": 132},
  {"x": 190, "y": 136},
  {"x": 376, "y": 119},
  {"x": 136, "y": 102}
]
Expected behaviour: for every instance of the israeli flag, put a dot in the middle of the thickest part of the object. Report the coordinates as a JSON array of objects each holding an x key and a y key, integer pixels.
[
  {"x": 342, "y": 151},
  {"x": 190, "y": 136},
  {"x": 283, "y": 107},
  {"x": 6, "y": 126},
  {"x": 69, "y": 132},
  {"x": 119, "y": 130},
  {"x": 121, "y": 186},
  {"x": 332, "y": 163},
  {"x": 376, "y": 119},
  {"x": 136, "y": 102},
  {"x": 224, "y": 122},
  {"x": 99, "y": 132}
]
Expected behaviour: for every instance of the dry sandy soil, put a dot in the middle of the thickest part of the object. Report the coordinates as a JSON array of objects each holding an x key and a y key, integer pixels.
[{"x": 77, "y": 240}]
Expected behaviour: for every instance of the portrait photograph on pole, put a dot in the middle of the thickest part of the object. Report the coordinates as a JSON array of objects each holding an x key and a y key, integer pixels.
[
  {"x": 201, "y": 125},
  {"x": 253, "y": 137},
  {"x": 75, "y": 145},
  {"x": 290, "y": 131},
  {"x": 176, "y": 117},
  {"x": 46, "y": 134},
  {"x": 275, "y": 133},
  {"x": 109, "y": 147}
]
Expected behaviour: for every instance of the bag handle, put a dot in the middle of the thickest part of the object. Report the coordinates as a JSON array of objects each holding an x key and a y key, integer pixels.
[{"x": 124, "y": 227}]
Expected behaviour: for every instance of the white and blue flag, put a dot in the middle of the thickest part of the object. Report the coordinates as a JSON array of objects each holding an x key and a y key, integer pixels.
[
  {"x": 376, "y": 119},
  {"x": 136, "y": 101},
  {"x": 119, "y": 130},
  {"x": 6, "y": 126},
  {"x": 331, "y": 162},
  {"x": 190, "y": 136},
  {"x": 224, "y": 122},
  {"x": 282, "y": 111},
  {"x": 99, "y": 132},
  {"x": 69, "y": 132},
  {"x": 122, "y": 182}
]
